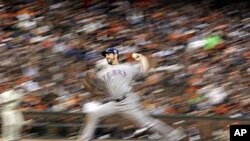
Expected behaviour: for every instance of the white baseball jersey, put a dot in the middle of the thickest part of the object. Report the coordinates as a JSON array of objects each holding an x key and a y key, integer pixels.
[
  {"x": 118, "y": 78},
  {"x": 12, "y": 117},
  {"x": 8, "y": 96},
  {"x": 10, "y": 114},
  {"x": 118, "y": 82}
]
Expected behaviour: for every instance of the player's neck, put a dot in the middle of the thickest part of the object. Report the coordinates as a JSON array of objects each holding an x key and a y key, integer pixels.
[{"x": 115, "y": 63}]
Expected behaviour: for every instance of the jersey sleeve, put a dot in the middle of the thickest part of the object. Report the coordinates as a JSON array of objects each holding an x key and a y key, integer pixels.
[{"x": 136, "y": 71}]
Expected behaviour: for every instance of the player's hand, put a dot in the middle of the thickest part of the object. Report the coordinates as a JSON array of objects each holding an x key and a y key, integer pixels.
[
  {"x": 28, "y": 122},
  {"x": 137, "y": 56},
  {"x": 90, "y": 75}
]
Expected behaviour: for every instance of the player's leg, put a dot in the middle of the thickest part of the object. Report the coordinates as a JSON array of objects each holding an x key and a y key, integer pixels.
[
  {"x": 134, "y": 112},
  {"x": 93, "y": 119},
  {"x": 142, "y": 119},
  {"x": 11, "y": 133},
  {"x": 5, "y": 132},
  {"x": 18, "y": 125},
  {"x": 17, "y": 129}
]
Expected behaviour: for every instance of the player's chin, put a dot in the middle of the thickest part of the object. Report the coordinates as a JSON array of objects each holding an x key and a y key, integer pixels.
[{"x": 110, "y": 62}]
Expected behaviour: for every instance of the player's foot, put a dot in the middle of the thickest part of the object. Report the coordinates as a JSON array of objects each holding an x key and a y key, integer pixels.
[
  {"x": 137, "y": 133},
  {"x": 80, "y": 140}
]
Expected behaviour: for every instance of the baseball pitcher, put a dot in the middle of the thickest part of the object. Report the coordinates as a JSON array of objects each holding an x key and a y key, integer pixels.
[{"x": 117, "y": 80}]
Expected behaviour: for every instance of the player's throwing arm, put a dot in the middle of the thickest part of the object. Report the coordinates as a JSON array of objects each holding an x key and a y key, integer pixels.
[{"x": 143, "y": 60}]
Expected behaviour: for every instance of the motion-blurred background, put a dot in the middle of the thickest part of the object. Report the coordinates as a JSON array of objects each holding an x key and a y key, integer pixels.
[{"x": 199, "y": 52}]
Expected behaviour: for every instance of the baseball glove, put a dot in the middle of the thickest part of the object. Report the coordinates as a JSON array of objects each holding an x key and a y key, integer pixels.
[{"x": 92, "y": 84}]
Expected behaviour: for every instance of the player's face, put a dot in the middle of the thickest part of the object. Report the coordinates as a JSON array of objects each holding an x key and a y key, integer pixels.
[{"x": 110, "y": 58}]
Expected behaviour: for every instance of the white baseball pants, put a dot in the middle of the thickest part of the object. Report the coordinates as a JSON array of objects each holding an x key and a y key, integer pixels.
[
  {"x": 12, "y": 123},
  {"x": 130, "y": 109}
]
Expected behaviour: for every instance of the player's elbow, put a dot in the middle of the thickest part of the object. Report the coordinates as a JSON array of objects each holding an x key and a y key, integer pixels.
[{"x": 145, "y": 64}]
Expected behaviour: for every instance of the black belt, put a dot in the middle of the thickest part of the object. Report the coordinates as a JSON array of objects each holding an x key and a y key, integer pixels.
[{"x": 120, "y": 99}]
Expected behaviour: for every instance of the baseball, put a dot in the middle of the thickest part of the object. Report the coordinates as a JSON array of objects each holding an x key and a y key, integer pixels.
[{"x": 136, "y": 56}]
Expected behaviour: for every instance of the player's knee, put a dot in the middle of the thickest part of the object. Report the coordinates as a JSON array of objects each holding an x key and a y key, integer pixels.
[
  {"x": 149, "y": 123},
  {"x": 154, "y": 122}
]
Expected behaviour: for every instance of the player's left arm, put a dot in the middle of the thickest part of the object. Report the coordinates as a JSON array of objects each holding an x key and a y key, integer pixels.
[
  {"x": 8, "y": 102},
  {"x": 10, "y": 99},
  {"x": 93, "y": 84},
  {"x": 144, "y": 61}
]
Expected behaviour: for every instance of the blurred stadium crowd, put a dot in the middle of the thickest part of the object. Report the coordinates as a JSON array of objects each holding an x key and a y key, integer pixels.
[{"x": 199, "y": 52}]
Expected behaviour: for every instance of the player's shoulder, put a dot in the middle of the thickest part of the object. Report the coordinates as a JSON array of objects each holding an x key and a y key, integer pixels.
[
  {"x": 123, "y": 66},
  {"x": 130, "y": 64},
  {"x": 7, "y": 92},
  {"x": 103, "y": 71},
  {"x": 120, "y": 66}
]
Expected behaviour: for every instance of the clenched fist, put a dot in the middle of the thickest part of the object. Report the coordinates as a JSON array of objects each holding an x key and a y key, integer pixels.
[{"x": 137, "y": 56}]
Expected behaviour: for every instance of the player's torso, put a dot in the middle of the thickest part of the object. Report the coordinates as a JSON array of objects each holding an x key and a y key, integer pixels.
[
  {"x": 117, "y": 79},
  {"x": 9, "y": 96}
]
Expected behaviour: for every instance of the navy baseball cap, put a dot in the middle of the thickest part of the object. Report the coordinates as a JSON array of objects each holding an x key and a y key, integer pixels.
[{"x": 110, "y": 50}]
